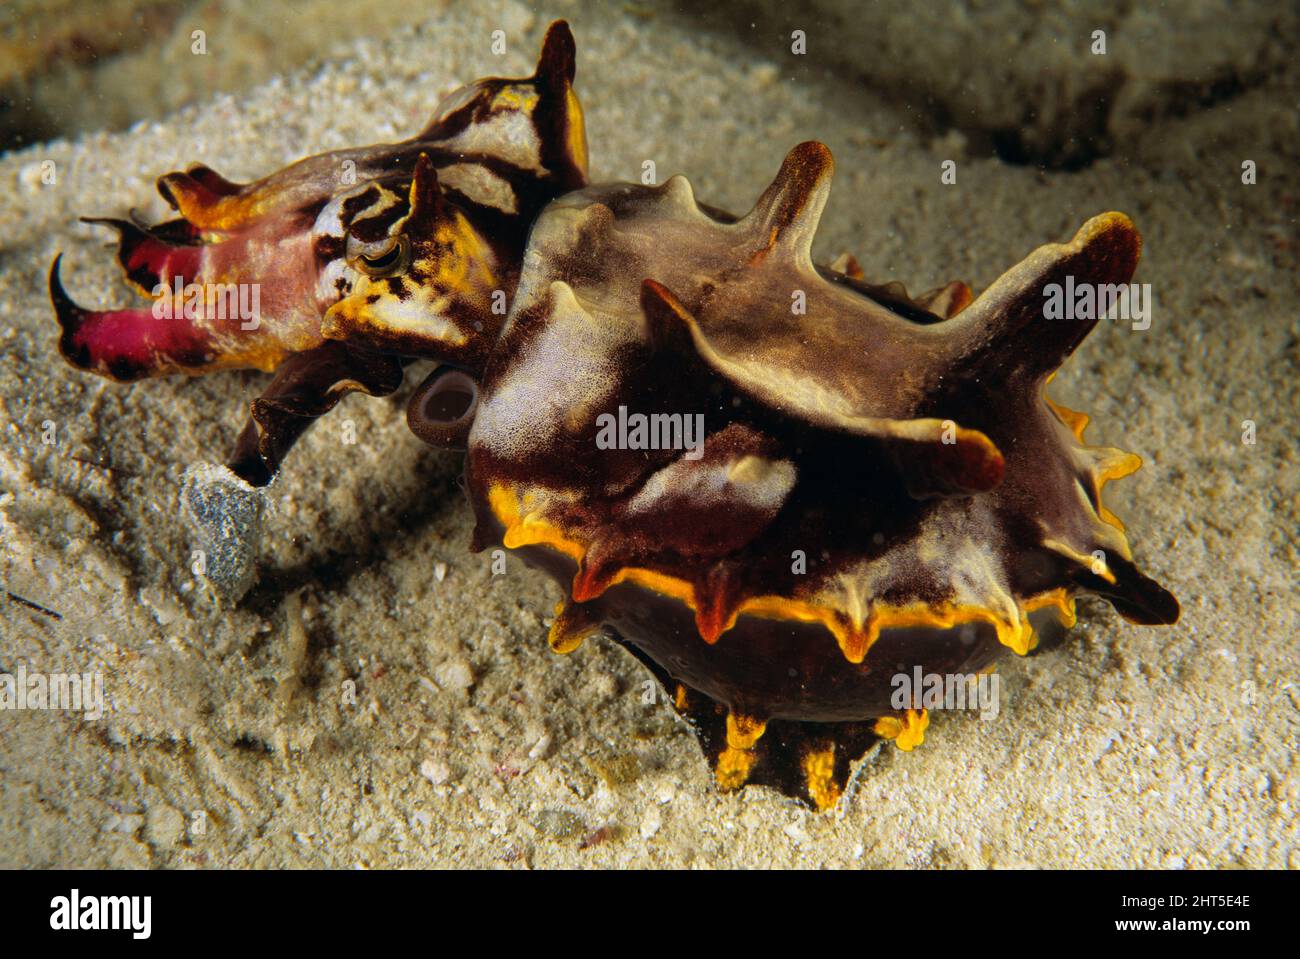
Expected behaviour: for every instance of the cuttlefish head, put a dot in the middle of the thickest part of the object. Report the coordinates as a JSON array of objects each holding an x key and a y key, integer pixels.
[
  {"x": 408, "y": 248},
  {"x": 406, "y": 271}
]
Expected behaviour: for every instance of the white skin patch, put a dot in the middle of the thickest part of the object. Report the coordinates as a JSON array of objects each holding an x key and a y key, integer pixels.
[
  {"x": 329, "y": 222},
  {"x": 414, "y": 315},
  {"x": 480, "y": 185},
  {"x": 385, "y": 200},
  {"x": 327, "y": 282},
  {"x": 565, "y": 375},
  {"x": 509, "y": 135},
  {"x": 761, "y": 485}
]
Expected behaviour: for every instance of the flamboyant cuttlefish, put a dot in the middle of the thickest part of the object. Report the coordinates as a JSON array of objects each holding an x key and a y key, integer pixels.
[{"x": 780, "y": 487}]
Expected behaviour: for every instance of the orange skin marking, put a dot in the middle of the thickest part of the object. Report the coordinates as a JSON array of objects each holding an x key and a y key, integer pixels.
[{"x": 854, "y": 640}]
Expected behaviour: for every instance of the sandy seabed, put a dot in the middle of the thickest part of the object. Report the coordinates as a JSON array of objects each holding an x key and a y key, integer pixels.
[{"x": 227, "y": 741}]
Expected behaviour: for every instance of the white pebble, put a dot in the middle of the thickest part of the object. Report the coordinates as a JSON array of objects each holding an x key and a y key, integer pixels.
[
  {"x": 651, "y": 822},
  {"x": 454, "y": 675},
  {"x": 436, "y": 771}
]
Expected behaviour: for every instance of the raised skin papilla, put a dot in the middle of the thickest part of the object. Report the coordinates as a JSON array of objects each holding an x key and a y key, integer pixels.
[{"x": 358, "y": 261}]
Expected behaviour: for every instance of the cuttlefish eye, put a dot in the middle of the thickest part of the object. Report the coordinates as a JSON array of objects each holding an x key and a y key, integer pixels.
[{"x": 389, "y": 257}]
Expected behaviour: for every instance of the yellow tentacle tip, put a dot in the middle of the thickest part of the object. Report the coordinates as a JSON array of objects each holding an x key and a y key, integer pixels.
[{"x": 907, "y": 731}]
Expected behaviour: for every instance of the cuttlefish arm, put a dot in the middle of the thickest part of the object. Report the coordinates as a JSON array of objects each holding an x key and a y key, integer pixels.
[{"x": 305, "y": 387}]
